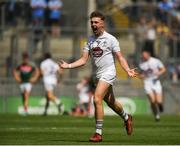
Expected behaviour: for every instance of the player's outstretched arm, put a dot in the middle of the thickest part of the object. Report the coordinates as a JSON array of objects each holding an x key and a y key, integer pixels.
[
  {"x": 124, "y": 64},
  {"x": 80, "y": 62}
]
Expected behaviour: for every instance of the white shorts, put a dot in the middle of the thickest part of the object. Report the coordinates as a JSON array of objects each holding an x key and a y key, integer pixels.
[
  {"x": 108, "y": 77},
  {"x": 25, "y": 87},
  {"x": 49, "y": 84},
  {"x": 153, "y": 86}
]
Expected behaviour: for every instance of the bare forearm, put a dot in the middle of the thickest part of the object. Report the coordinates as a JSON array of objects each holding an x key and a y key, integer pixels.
[
  {"x": 124, "y": 64},
  {"x": 16, "y": 76},
  {"x": 78, "y": 63}
]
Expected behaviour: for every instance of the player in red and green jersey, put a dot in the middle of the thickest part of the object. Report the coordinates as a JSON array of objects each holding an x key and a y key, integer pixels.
[{"x": 26, "y": 74}]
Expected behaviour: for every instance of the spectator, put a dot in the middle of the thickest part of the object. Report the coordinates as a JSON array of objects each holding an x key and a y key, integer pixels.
[
  {"x": 165, "y": 35},
  {"x": 164, "y": 7},
  {"x": 141, "y": 34},
  {"x": 176, "y": 9},
  {"x": 162, "y": 29},
  {"x": 174, "y": 44},
  {"x": 38, "y": 10},
  {"x": 55, "y": 7},
  {"x": 172, "y": 72},
  {"x": 151, "y": 37},
  {"x": 12, "y": 12},
  {"x": 134, "y": 10}
]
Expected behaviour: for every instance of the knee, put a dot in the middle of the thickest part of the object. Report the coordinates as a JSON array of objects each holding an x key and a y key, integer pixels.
[
  {"x": 26, "y": 95},
  {"x": 49, "y": 95},
  {"x": 97, "y": 100}
]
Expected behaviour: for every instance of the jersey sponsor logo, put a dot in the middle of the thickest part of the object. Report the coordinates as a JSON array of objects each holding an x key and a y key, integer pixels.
[
  {"x": 148, "y": 72},
  {"x": 26, "y": 68},
  {"x": 97, "y": 52}
]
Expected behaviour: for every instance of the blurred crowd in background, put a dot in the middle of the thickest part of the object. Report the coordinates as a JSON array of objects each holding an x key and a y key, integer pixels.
[
  {"x": 38, "y": 13},
  {"x": 61, "y": 27},
  {"x": 149, "y": 20}
]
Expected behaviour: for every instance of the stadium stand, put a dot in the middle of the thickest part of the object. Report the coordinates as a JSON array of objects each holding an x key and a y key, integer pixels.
[{"x": 121, "y": 22}]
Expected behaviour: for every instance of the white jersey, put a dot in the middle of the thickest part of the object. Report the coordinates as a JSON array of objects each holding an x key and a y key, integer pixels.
[
  {"x": 101, "y": 50},
  {"x": 150, "y": 68},
  {"x": 49, "y": 69}
]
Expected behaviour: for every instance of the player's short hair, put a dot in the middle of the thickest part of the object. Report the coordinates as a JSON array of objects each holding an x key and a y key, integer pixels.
[
  {"x": 97, "y": 14},
  {"x": 146, "y": 50},
  {"x": 47, "y": 55}
]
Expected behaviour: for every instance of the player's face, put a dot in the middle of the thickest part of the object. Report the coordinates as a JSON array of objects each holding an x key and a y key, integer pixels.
[
  {"x": 25, "y": 60},
  {"x": 97, "y": 25},
  {"x": 145, "y": 56}
]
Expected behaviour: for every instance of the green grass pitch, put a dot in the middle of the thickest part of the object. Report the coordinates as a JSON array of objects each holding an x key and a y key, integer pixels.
[{"x": 57, "y": 130}]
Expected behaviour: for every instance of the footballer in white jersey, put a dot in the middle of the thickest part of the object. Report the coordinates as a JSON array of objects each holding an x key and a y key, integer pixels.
[
  {"x": 151, "y": 69},
  {"x": 101, "y": 50},
  {"x": 49, "y": 70},
  {"x": 102, "y": 47}
]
